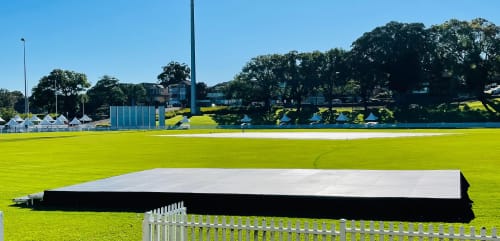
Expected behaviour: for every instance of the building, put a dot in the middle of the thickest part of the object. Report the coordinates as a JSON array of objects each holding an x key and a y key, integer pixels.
[
  {"x": 156, "y": 94},
  {"x": 178, "y": 94}
]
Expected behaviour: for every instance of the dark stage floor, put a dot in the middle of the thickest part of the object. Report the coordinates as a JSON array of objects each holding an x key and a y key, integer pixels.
[{"x": 434, "y": 195}]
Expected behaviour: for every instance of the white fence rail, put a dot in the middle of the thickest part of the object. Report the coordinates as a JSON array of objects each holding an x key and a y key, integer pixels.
[
  {"x": 1, "y": 226},
  {"x": 172, "y": 223}
]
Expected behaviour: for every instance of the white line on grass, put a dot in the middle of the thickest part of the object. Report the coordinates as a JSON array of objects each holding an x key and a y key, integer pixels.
[{"x": 308, "y": 135}]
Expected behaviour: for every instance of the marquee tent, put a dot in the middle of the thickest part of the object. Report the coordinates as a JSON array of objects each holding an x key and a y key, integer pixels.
[
  {"x": 246, "y": 119},
  {"x": 62, "y": 118},
  {"x": 46, "y": 122},
  {"x": 27, "y": 122},
  {"x": 59, "y": 122},
  {"x": 371, "y": 117},
  {"x": 315, "y": 118},
  {"x": 342, "y": 118},
  {"x": 85, "y": 118},
  {"x": 285, "y": 119},
  {"x": 2, "y": 120},
  {"x": 18, "y": 118},
  {"x": 75, "y": 122},
  {"x": 35, "y": 119},
  {"x": 12, "y": 123},
  {"x": 48, "y": 118}
]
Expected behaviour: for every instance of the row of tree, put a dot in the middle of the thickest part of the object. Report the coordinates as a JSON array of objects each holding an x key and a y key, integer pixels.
[
  {"x": 75, "y": 97},
  {"x": 451, "y": 60}
]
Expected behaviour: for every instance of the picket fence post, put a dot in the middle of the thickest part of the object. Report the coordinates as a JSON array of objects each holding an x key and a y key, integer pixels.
[
  {"x": 1, "y": 226},
  {"x": 342, "y": 230},
  {"x": 146, "y": 230}
]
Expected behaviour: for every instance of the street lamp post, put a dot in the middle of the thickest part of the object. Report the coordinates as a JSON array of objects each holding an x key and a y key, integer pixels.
[{"x": 26, "y": 103}]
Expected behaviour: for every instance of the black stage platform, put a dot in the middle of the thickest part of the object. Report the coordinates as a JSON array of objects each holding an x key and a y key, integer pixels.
[{"x": 434, "y": 195}]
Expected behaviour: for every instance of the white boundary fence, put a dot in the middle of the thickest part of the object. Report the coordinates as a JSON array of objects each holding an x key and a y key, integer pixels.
[
  {"x": 1, "y": 226},
  {"x": 172, "y": 223}
]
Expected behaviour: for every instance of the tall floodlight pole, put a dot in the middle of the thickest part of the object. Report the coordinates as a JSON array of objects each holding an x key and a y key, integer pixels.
[
  {"x": 55, "y": 92},
  {"x": 26, "y": 104},
  {"x": 193, "y": 64}
]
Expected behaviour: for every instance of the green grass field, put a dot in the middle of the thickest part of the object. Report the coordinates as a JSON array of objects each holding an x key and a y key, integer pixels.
[{"x": 34, "y": 162}]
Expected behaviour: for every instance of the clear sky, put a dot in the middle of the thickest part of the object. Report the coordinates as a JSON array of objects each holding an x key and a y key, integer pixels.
[{"x": 132, "y": 39}]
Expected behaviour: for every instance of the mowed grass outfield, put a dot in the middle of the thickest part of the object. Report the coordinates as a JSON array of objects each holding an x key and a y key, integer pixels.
[{"x": 34, "y": 162}]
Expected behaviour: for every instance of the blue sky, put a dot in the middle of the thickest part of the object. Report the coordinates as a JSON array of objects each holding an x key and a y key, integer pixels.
[{"x": 132, "y": 39}]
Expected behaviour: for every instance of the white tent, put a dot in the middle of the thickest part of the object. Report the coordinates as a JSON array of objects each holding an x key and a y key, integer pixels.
[
  {"x": 12, "y": 123},
  {"x": 35, "y": 119},
  {"x": 2, "y": 120},
  {"x": 185, "y": 120},
  {"x": 285, "y": 118},
  {"x": 62, "y": 118},
  {"x": 85, "y": 118},
  {"x": 75, "y": 122},
  {"x": 59, "y": 122},
  {"x": 48, "y": 118},
  {"x": 46, "y": 122},
  {"x": 246, "y": 119},
  {"x": 342, "y": 118},
  {"x": 27, "y": 122},
  {"x": 315, "y": 118},
  {"x": 17, "y": 118},
  {"x": 371, "y": 117}
]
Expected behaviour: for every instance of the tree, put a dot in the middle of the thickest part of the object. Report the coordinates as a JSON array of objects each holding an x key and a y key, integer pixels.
[
  {"x": 106, "y": 92},
  {"x": 334, "y": 70},
  {"x": 261, "y": 74},
  {"x": 469, "y": 52},
  {"x": 66, "y": 84},
  {"x": 14, "y": 99},
  {"x": 391, "y": 57},
  {"x": 174, "y": 73},
  {"x": 134, "y": 93}
]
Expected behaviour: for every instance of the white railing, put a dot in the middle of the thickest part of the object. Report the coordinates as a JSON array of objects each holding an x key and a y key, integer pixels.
[
  {"x": 1, "y": 226},
  {"x": 173, "y": 224}
]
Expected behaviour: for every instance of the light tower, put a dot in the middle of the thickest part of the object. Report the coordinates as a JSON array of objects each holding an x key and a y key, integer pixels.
[
  {"x": 194, "y": 109},
  {"x": 26, "y": 103}
]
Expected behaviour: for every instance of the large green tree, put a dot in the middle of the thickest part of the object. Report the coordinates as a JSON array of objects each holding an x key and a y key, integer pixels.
[
  {"x": 174, "y": 73},
  {"x": 392, "y": 57},
  {"x": 66, "y": 84},
  {"x": 106, "y": 92},
  {"x": 468, "y": 52}
]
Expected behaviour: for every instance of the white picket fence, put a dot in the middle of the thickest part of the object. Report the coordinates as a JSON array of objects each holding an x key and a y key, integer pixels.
[
  {"x": 172, "y": 223},
  {"x": 1, "y": 226}
]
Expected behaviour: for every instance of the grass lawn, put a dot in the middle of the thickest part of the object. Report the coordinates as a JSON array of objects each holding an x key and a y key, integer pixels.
[{"x": 34, "y": 162}]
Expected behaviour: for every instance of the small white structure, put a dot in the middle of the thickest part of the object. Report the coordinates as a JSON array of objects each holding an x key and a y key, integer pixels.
[
  {"x": 85, "y": 118},
  {"x": 12, "y": 123},
  {"x": 342, "y": 118},
  {"x": 48, "y": 118},
  {"x": 371, "y": 117},
  {"x": 315, "y": 118},
  {"x": 35, "y": 119},
  {"x": 59, "y": 122},
  {"x": 246, "y": 119},
  {"x": 46, "y": 122},
  {"x": 17, "y": 118},
  {"x": 62, "y": 118},
  {"x": 2, "y": 120},
  {"x": 185, "y": 123},
  {"x": 284, "y": 120},
  {"x": 27, "y": 123},
  {"x": 75, "y": 122}
]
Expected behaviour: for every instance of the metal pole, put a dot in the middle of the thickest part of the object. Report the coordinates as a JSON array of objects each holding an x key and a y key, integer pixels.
[
  {"x": 193, "y": 64},
  {"x": 55, "y": 93},
  {"x": 26, "y": 104}
]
